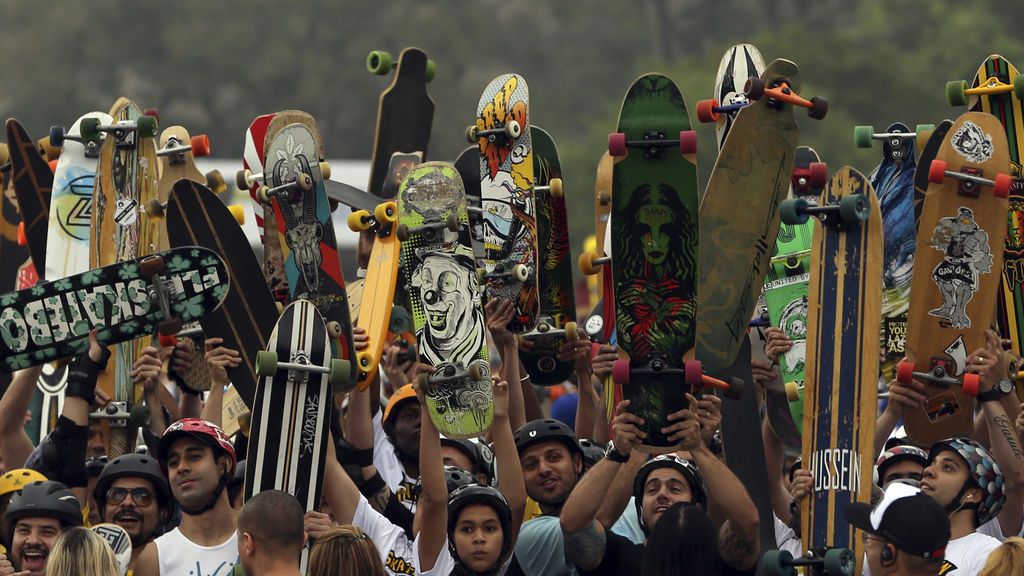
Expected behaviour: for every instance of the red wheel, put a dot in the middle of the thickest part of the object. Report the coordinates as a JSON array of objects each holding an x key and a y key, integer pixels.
[
  {"x": 620, "y": 371},
  {"x": 168, "y": 341},
  {"x": 904, "y": 372},
  {"x": 687, "y": 142},
  {"x": 201, "y": 145},
  {"x": 693, "y": 370},
  {"x": 818, "y": 174},
  {"x": 937, "y": 171},
  {"x": 617, "y": 144},
  {"x": 22, "y": 237},
  {"x": 706, "y": 110},
  {"x": 971, "y": 384},
  {"x": 1002, "y": 185}
]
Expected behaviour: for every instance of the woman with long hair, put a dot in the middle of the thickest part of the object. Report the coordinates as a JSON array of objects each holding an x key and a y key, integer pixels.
[
  {"x": 1008, "y": 558},
  {"x": 81, "y": 552},
  {"x": 345, "y": 550}
]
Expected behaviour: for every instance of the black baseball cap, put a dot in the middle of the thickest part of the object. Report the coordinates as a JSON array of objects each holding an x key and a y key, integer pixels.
[{"x": 912, "y": 521}]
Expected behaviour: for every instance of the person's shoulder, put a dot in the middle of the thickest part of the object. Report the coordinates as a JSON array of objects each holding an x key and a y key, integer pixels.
[{"x": 980, "y": 541}]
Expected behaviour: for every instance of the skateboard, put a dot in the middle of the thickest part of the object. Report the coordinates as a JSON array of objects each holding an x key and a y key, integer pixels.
[
  {"x": 954, "y": 289},
  {"x": 739, "y": 63},
  {"x": 33, "y": 183},
  {"x": 468, "y": 167},
  {"x": 252, "y": 161},
  {"x": 177, "y": 153},
  {"x": 443, "y": 298},
  {"x": 998, "y": 89},
  {"x": 122, "y": 301},
  {"x": 502, "y": 132},
  {"x": 12, "y": 254},
  {"x": 119, "y": 541},
  {"x": 831, "y": 562},
  {"x": 926, "y": 153},
  {"x": 197, "y": 217},
  {"x": 653, "y": 251},
  {"x": 557, "y": 319},
  {"x": 840, "y": 392},
  {"x": 756, "y": 164},
  {"x": 405, "y": 112},
  {"x": 310, "y": 260},
  {"x": 292, "y": 408},
  {"x": 893, "y": 181},
  {"x": 378, "y": 289}
]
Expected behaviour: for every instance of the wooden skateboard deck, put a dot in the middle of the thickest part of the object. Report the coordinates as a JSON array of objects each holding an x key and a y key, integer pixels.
[
  {"x": 736, "y": 246},
  {"x": 925, "y": 156},
  {"x": 654, "y": 250},
  {"x": 557, "y": 319},
  {"x": 311, "y": 263},
  {"x": 12, "y": 255},
  {"x": 739, "y": 63},
  {"x": 405, "y": 113},
  {"x": 197, "y": 217},
  {"x": 841, "y": 397},
  {"x": 52, "y": 320},
  {"x": 33, "y": 183},
  {"x": 292, "y": 411},
  {"x": 502, "y": 131},
  {"x": 443, "y": 297},
  {"x": 956, "y": 263}
]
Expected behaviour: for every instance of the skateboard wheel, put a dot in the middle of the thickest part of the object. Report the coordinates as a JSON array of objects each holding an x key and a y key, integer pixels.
[
  {"x": 138, "y": 416},
  {"x": 924, "y": 128},
  {"x": 854, "y": 208},
  {"x": 325, "y": 170},
  {"x": 513, "y": 129},
  {"x": 777, "y": 563},
  {"x": 452, "y": 223},
  {"x": 386, "y": 212},
  {"x": 818, "y": 174},
  {"x": 555, "y": 186},
  {"x": 401, "y": 320},
  {"x": 263, "y": 194},
  {"x": 305, "y": 182},
  {"x": 200, "y": 145},
  {"x": 839, "y": 561},
  {"x": 793, "y": 211},
  {"x": 338, "y": 374},
  {"x": 402, "y": 232},
  {"x": 955, "y": 93},
  {"x": 475, "y": 373},
  {"x": 238, "y": 213},
  {"x": 792, "y": 392},
  {"x": 1001, "y": 185},
  {"x": 754, "y": 88},
  {"x": 243, "y": 179},
  {"x": 571, "y": 331},
  {"x": 620, "y": 371},
  {"x": 1018, "y": 86},
  {"x": 146, "y": 126},
  {"x": 22, "y": 237},
  {"x": 587, "y": 263},
  {"x": 862, "y": 136},
  {"x": 169, "y": 326},
  {"x": 471, "y": 134},
  {"x": 358, "y": 221},
  {"x": 154, "y": 208},
  {"x": 971, "y": 384},
  {"x": 151, "y": 266},
  {"x": 57, "y": 135},
  {"x": 687, "y": 142},
  {"x": 481, "y": 275},
  {"x": 266, "y": 362},
  {"x": 520, "y": 272},
  {"x": 431, "y": 70},
  {"x": 937, "y": 171},
  {"x": 904, "y": 372},
  {"x": 706, "y": 111},
  {"x": 693, "y": 371},
  {"x": 155, "y": 113},
  {"x": 365, "y": 360},
  {"x": 617, "y": 144},
  {"x": 215, "y": 182},
  {"x": 379, "y": 62},
  {"x": 334, "y": 328},
  {"x": 89, "y": 129},
  {"x": 167, "y": 341},
  {"x": 818, "y": 109}
]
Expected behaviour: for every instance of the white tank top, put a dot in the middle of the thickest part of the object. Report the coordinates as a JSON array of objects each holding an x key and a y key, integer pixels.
[{"x": 179, "y": 556}]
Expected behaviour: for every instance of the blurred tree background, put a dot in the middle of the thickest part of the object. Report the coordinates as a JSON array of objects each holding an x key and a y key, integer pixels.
[{"x": 213, "y": 65}]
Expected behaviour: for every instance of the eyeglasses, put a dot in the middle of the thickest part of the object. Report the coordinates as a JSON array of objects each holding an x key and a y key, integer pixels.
[
  {"x": 141, "y": 496},
  {"x": 865, "y": 537}
]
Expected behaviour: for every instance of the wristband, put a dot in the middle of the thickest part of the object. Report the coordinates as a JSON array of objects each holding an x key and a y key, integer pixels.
[{"x": 372, "y": 485}]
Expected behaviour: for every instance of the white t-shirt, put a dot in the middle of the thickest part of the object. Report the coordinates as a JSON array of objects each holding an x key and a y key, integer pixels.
[
  {"x": 392, "y": 544},
  {"x": 786, "y": 538},
  {"x": 966, "y": 556},
  {"x": 385, "y": 459},
  {"x": 180, "y": 556},
  {"x": 444, "y": 564}
]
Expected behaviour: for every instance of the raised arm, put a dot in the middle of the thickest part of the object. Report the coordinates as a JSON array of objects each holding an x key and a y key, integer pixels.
[
  {"x": 498, "y": 314},
  {"x": 432, "y": 506},
  {"x": 15, "y": 445},
  {"x": 510, "y": 470}
]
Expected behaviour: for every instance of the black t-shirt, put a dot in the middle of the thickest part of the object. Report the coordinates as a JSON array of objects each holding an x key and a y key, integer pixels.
[{"x": 622, "y": 556}]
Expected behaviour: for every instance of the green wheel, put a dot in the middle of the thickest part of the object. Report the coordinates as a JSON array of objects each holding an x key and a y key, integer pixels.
[
  {"x": 147, "y": 126},
  {"x": 431, "y": 70},
  {"x": 777, "y": 563},
  {"x": 839, "y": 562},
  {"x": 379, "y": 62},
  {"x": 139, "y": 416},
  {"x": 854, "y": 208},
  {"x": 89, "y": 129},
  {"x": 401, "y": 320},
  {"x": 793, "y": 211},
  {"x": 955, "y": 93},
  {"x": 924, "y": 128},
  {"x": 1018, "y": 86},
  {"x": 340, "y": 374},
  {"x": 862, "y": 136},
  {"x": 266, "y": 363}
]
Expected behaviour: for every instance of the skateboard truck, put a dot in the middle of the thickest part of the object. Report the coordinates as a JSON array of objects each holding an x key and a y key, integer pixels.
[
  {"x": 957, "y": 90},
  {"x": 850, "y": 209},
  {"x": 124, "y": 132},
  {"x": 813, "y": 176},
  {"x": 58, "y": 135},
  {"x": 451, "y": 372},
  {"x": 510, "y": 131},
  {"x": 780, "y": 93},
  {"x": 590, "y": 262},
  {"x": 429, "y": 230},
  {"x": 692, "y": 372},
  {"x": 338, "y": 372},
  {"x": 176, "y": 149},
  {"x": 710, "y": 110},
  {"x": 520, "y": 272},
  {"x": 288, "y": 191},
  {"x": 821, "y": 561},
  {"x": 653, "y": 144},
  {"x": 863, "y": 135},
  {"x": 970, "y": 179},
  {"x": 938, "y": 376},
  {"x": 118, "y": 415},
  {"x": 167, "y": 340},
  {"x": 380, "y": 62},
  {"x": 151, "y": 267},
  {"x": 554, "y": 187}
]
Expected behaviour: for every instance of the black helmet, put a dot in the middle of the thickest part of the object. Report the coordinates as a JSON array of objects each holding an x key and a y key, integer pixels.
[
  {"x": 477, "y": 494},
  {"x": 456, "y": 478},
  {"x": 592, "y": 453},
  {"x": 132, "y": 466},
  {"x": 95, "y": 465},
  {"x": 687, "y": 468},
  {"x": 546, "y": 430},
  {"x": 45, "y": 500},
  {"x": 477, "y": 452},
  {"x": 899, "y": 454}
]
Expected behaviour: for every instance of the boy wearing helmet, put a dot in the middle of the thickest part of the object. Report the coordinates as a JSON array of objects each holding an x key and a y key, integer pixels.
[
  {"x": 200, "y": 463},
  {"x": 35, "y": 517},
  {"x": 133, "y": 493}
]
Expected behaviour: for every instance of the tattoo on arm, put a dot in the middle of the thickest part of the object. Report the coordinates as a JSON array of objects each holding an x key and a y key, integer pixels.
[
  {"x": 734, "y": 548},
  {"x": 1005, "y": 427},
  {"x": 379, "y": 501},
  {"x": 585, "y": 548}
]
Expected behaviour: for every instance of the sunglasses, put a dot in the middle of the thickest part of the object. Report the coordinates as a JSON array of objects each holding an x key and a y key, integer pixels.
[{"x": 140, "y": 496}]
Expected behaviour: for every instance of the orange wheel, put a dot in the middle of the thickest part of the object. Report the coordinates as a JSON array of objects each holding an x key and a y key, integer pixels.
[
  {"x": 972, "y": 382},
  {"x": 904, "y": 372},
  {"x": 22, "y": 237},
  {"x": 1002, "y": 185},
  {"x": 201, "y": 145},
  {"x": 168, "y": 340},
  {"x": 937, "y": 171},
  {"x": 706, "y": 110}
]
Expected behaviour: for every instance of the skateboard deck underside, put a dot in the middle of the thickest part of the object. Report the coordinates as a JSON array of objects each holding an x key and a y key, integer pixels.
[{"x": 737, "y": 65}]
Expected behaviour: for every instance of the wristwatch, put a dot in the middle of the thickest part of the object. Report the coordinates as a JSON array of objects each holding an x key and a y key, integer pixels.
[
  {"x": 1002, "y": 388},
  {"x": 614, "y": 455}
]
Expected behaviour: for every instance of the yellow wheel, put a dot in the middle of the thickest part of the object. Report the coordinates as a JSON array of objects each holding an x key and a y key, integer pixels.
[
  {"x": 333, "y": 328},
  {"x": 364, "y": 359},
  {"x": 386, "y": 213},
  {"x": 215, "y": 182},
  {"x": 325, "y": 170},
  {"x": 238, "y": 213},
  {"x": 359, "y": 221},
  {"x": 556, "y": 187},
  {"x": 571, "y": 331},
  {"x": 587, "y": 265},
  {"x": 792, "y": 392}
]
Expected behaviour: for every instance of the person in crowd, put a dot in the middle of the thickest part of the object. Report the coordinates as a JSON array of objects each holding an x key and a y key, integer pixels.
[
  {"x": 133, "y": 493},
  {"x": 79, "y": 551},
  {"x": 270, "y": 534},
  {"x": 1006, "y": 560},
  {"x": 345, "y": 550},
  {"x": 34, "y": 518}
]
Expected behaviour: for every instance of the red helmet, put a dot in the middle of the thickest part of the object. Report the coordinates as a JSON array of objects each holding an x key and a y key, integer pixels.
[{"x": 202, "y": 430}]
